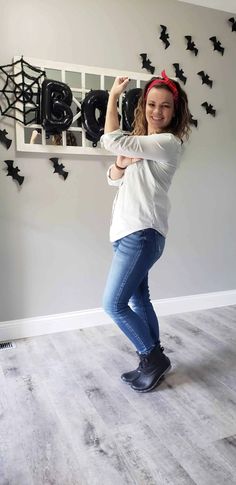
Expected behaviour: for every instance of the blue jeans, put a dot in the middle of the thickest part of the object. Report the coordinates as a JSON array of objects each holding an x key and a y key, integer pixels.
[{"x": 126, "y": 297}]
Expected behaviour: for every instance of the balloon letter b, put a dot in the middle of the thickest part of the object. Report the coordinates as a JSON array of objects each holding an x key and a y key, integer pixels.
[{"x": 56, "y": 115}]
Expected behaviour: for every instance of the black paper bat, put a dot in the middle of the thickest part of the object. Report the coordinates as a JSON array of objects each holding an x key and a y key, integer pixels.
[
  {"x": 179, "y": 73},
  {"x": 13, "y": 172},
  {"x": 146, "y": 64},
  {"x": 217, "y": 45},
  {"x": 4, "y": 140},
  {"x": 205, "y": 78},
  {"x": 209, "y": 108},
  {"x": 233, "y": 21},
  {"x": 191, "y": 45},
  {"x": 59, "y": 168},
  {"x": 164, "y": 36},
  {"x": 192, "y": 121}
]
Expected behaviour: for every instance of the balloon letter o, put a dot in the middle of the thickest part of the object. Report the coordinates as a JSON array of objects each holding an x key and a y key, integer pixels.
[
  {"x": 129, "y": 104},
  {"x": 94, "y": 101}
]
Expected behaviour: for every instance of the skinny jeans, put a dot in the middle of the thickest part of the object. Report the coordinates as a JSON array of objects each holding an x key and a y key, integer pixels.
[{"x": 126, "y": 297}]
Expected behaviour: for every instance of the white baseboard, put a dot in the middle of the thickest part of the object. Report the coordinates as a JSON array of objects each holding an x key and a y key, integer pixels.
[{"x": 30, "y": 327}]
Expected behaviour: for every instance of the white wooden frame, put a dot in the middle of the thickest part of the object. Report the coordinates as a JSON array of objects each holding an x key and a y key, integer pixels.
[{"x": 21, "y": 146}]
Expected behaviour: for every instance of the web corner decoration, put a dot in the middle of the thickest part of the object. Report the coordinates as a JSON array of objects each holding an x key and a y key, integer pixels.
[
  {"x": 28, "y": 97},
  {"x": 21, "y": 90}
]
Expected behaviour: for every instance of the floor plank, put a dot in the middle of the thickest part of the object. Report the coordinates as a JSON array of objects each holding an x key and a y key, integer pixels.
[{"x": 66, "y": 417}]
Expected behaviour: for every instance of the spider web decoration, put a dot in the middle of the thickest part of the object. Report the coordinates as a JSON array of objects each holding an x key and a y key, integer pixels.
[{"x": 21, "y": 91}]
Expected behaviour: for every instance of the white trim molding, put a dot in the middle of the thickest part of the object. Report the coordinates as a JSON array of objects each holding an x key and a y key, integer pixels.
[{"x": 31, "y": 327}]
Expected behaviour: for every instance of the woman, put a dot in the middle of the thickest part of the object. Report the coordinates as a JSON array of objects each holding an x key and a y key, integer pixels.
[{"x": 146, "y": 163}]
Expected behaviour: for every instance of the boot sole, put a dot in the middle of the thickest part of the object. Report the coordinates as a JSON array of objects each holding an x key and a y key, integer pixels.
[{"x": 155, "y": 383}]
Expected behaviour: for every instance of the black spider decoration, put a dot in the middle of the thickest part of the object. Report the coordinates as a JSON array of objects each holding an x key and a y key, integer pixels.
[{"x": 21, "y": 91}]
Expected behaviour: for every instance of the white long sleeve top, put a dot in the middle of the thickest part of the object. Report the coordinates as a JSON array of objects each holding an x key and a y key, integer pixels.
[{"x": 142, "y": 201}]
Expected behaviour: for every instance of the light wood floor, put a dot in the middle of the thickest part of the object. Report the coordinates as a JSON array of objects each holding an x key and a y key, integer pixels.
[{"x": 66, "y": 418}]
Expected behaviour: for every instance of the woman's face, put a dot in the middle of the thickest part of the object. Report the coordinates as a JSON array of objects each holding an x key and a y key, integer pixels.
[{"x": 159, "y": 110}]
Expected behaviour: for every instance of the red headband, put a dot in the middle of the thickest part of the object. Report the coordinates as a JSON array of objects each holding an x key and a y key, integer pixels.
[{"x": 164, "y": 80}]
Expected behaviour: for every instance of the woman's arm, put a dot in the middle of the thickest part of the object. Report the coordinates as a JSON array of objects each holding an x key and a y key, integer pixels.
[
  {"x": 161, "y": 147},
  {"x": 117, "y": 170},
  {"x": 112, "y": 120},
  {"x": 34, "y": 136},
  {"x": 116, "y": 173}
]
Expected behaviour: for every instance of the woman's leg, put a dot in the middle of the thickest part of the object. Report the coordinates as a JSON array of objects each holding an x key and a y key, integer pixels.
[
  {"x": 142, "y": 306},
  {"x": 134, "y": 255}
]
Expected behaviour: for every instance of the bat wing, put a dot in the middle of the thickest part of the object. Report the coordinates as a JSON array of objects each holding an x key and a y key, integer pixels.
[
  {"x": 212, "y": 111},
  {"x": 9, "y": 163},
  {"x": 164, "y": 36},
  {"x": 192, "y": 121},
  {"x": 4, "y": 140},
  {"x": 147, "y": 65},
  {"x": 65, "y": 175},
  {"x": 19, "y": 179},
  {"x": 54, "y": 161},
  {"x": 163, "y": 29},
  {"x": 144, "y": 59},
  {"x": 61, "y": 171}
]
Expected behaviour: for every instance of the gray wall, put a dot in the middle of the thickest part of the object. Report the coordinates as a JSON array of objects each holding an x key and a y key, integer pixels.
[{"x": 55, "y": 250}]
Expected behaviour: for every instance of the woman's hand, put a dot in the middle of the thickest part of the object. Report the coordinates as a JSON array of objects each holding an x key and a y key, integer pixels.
[
  {"x": 123, "y": 162},
  {"x": 119, "y": 86}
]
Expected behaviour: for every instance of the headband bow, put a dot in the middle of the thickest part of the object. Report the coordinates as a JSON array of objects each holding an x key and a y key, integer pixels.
[{"x": 164, "y": 80}]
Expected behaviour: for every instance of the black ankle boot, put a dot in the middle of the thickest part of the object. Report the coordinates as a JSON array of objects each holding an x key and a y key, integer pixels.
[
  {"x": 152, "y": 368},
  {"x": 133, "y": 374}
]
